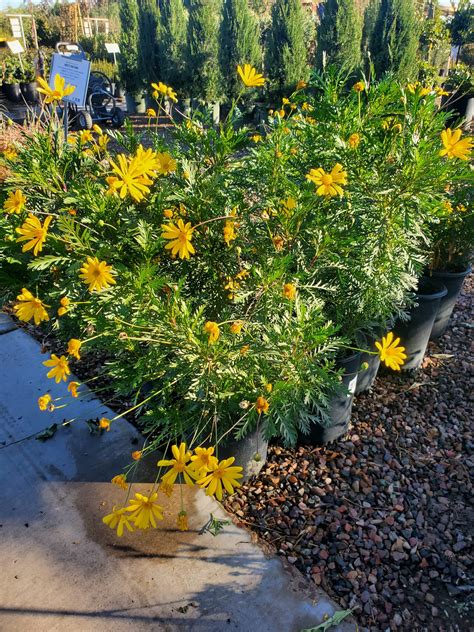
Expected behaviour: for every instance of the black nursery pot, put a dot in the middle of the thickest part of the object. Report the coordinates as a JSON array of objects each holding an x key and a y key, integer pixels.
[
  {"x": 341, "y": 405},
  {"x": 249, "y": 452},
  {"x": 29, "y": 91},
  {"x": 453, "y": 282},
  {"x": 366, "y": 377},
  {"x": 415, "y": 333},
  {"x": 13, "y": 92}
]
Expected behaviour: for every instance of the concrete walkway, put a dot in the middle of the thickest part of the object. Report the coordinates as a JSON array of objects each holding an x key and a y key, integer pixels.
[{"x": 63, "y": 569}]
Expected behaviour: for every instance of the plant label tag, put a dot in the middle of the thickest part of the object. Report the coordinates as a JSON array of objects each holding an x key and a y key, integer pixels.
[
  {"x": 75, "y": 72},
  {"x": 352, "y": 385},
  {"x": 112, "y": 47},
  {"x": 15, "y": 47}
]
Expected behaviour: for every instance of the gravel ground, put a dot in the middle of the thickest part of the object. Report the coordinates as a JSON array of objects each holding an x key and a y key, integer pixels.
[{"x": 382, "y": 520}]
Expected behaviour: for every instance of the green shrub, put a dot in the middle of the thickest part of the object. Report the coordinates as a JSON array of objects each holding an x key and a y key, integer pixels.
[
  {"x": 203, "y": 41},
  {"x": 239, "y": 42},
  {"x": 238, "y": 267},
  {"x": 172, "y": 43},
  {"x": 148, "y": 34},
  {"x": 287, "y": 49},
  {"x": 395, "y": 38},
  {"x": 129, "y": 58},
  {"x": 340, "y": 34}
]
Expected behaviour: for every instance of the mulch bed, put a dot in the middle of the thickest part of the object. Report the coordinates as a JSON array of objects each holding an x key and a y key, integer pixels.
[{"x": 382, "y": 520}]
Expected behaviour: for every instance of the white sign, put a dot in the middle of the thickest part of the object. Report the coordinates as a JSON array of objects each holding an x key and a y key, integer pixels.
[
  {"x": 112, "y": 47},
  {"x": 15, "y": 47},
  {"x": 75, "y": 72},
  {"x": 16, "y": 27}
]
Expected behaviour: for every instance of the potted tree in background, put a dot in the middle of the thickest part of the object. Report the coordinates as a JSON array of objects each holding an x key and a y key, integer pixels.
[
  {"x": 287, "y": 51},
  {"x": 129, "y": 58},
  {"x": 28, "y": 85},
  {"x": 172, "y": 45},
  {"x": 203, "y": 42},
  {"x": 11, "y": 76},
  {"x": 452, "y": 234},
  {"x": 148, "y": 51},
  {"x": 239, "y": 45}
]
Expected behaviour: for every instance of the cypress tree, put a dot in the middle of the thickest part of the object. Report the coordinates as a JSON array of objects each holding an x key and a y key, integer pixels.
[
  {"x": 370, "y": 19},
  {"x": 340, "y": 34},
  {"x": 148, "y": 21},
  {"x": 287, "y": 49},
  {"x": 128, "y": 60},
  {"x": 203, "y": 42},
  {"x": 395, "y": 39},
  {"x": 172, "y": 44},
  {"x": 239, "y": 41}
]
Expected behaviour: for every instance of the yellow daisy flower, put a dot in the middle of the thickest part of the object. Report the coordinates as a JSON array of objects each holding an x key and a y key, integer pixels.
[
  {"x": 236, "y": 327},
  {"x": 145, "y": 511},
  {"x": 72, "y": 388},
  {"x": 390, "y": 353},
  {"x": 213, "y": 330},
  {"x": 44, "y": 401},
  {"x": 118, "y": 519},
  {"x": 104, "y": 424},
  {"x": 178, "y": 465},
  {"x": 221, "y": 474},
  {"x": 250, "y": 77},
  {"x": 262, "y": 405},
  {"x": 65, "y": 302},
  {"x": 160, "y": 87},
  {"x": 56, "y": 94},
  {"x": 120, "y": 481},
  {"x": 229, "y": 232},
  {"x": 10, "y": 153},
  {"x": 14, "y": 202},
  {"x": 73, "y": 348},
  {"x": 289, "y": 291},
  {"x": 171, "y": 94},
  {"x": 182, "y": 521},
  {"x": 129, "y": 178},
  {"x": 97, "y": 274},
  {"x": 202, "y": 460},
  {"x": 454, "y": 147},
  {"x": 179, "y": 236},
  {"x": 60, "y": 368},
  {"x": 353, "y": 140},
  {"x": 30, "y": 307},
  {"x": 329, "y": 184},
  {"x": 166, "y": 163},
  {"x": 85, "y": 136},
  {"x": 34, "y": 233}
]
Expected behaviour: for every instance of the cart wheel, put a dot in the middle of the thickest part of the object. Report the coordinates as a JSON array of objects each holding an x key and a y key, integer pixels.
[
  {"x": 84, "y": 120},
  {"x": 117, "y": 117}
]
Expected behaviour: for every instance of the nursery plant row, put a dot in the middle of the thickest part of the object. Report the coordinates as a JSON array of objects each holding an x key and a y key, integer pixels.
[{"x": 244, "y": 282}]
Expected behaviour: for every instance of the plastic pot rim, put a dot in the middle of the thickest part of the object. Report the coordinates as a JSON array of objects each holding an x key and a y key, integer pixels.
[
  {"x": 434, "y": 296},
  {"x": 442, "y": 273}
]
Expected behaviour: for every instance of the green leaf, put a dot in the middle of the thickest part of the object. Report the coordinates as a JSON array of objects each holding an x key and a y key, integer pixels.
[
  {"x": 42, "y": 263},
  {"x": 48, "y": 433},
  {"x": 336, "y": 618}
]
